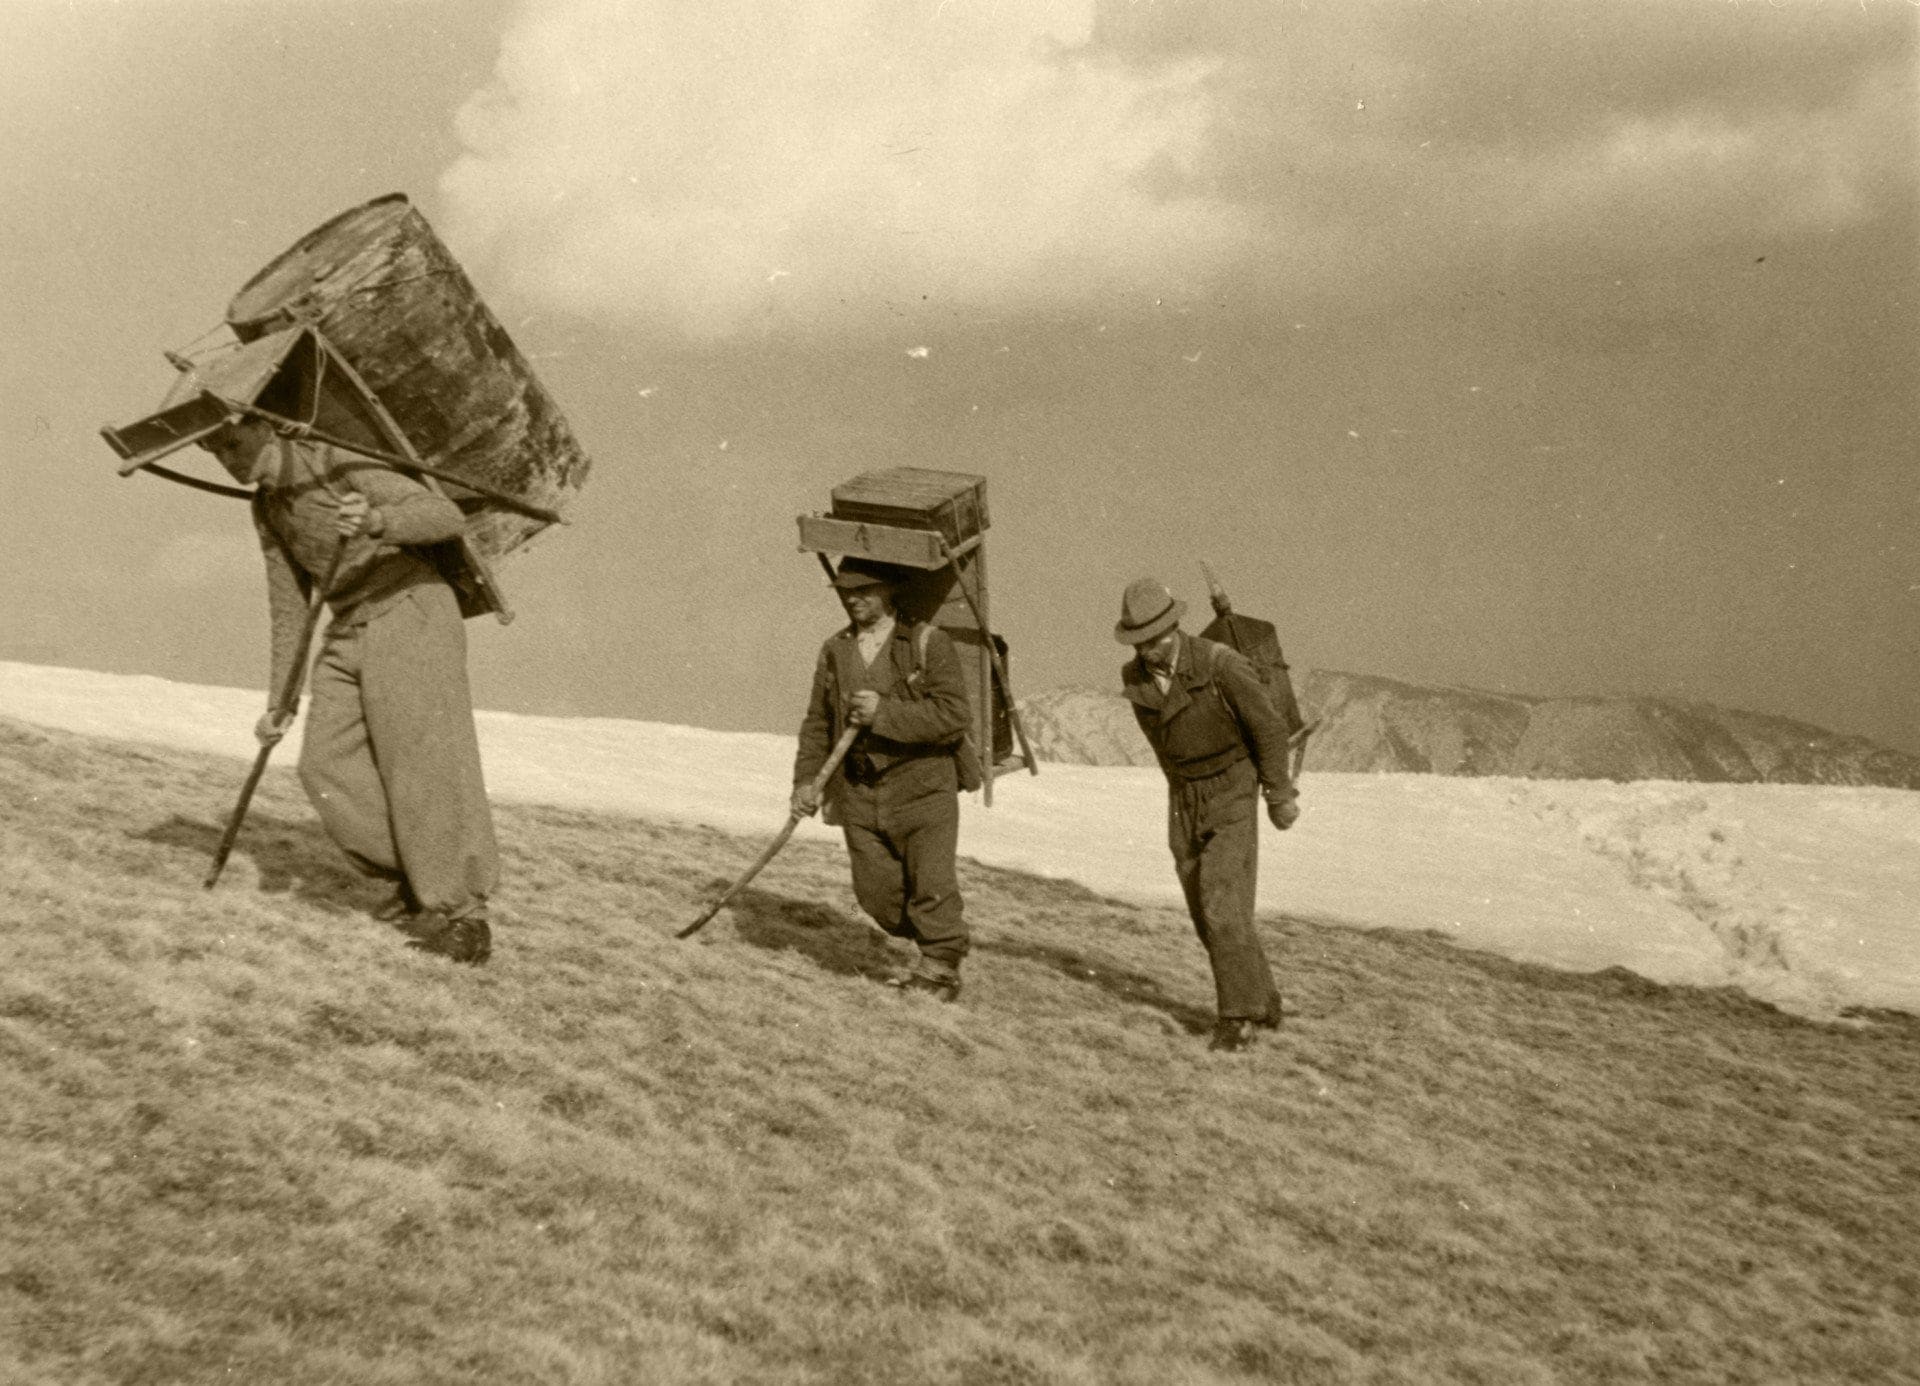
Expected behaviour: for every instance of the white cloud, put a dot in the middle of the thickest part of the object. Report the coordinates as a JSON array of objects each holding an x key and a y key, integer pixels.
[
  {"x": 734, "y": 165},
  {"x": 742, "y": 167},
  {"x": 1706, "y": 175}
]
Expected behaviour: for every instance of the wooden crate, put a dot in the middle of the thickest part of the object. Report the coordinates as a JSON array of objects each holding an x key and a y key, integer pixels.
[
  {"x": 935, "y": 523},
  {"x": 950, "y": 504}
]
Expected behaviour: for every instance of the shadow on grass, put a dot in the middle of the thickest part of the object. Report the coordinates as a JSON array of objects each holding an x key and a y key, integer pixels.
[
  {"x": 296, "y": 859},
  {"x": 1129, "y": 988},
  {"x": 834, "y": 942},
  {"x": 849, "y": 948}
]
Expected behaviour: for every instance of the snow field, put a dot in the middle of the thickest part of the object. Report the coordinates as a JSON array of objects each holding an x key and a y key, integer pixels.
[{"x": 1806, "y": 896}]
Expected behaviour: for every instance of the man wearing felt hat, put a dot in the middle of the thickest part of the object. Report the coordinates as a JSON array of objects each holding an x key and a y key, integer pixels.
[
  {"x": 1222, "y": 745},
  {"x": 896, "y": 795}
]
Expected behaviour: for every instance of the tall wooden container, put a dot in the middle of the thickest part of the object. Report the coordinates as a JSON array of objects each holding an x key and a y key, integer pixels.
[{"x": 398, "y": 308}]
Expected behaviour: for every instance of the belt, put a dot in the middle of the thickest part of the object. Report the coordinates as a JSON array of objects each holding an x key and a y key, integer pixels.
[
  {"x": 1216, "y": 764},
  {"x": 860, "y": 767}
]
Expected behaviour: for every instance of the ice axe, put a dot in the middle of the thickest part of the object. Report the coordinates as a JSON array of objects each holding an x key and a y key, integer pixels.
[
  {"x": 817, "y": 785},
  {"x": 283, "y": 707}
]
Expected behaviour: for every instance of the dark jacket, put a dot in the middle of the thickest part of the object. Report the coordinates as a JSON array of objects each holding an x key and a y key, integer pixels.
[
  {"x": 294, "y": 515},
  {"x": 909, "y": 747},
  {"x": 1215, "y": 714}
]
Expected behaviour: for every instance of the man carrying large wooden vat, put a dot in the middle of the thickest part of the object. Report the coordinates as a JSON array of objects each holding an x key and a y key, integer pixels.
[
  {"x": 1221, "y": 743},
  {"x": 365, "y": 376},
  {"x": 896, "y": 795},
  {"x": 390, "y": 758}
]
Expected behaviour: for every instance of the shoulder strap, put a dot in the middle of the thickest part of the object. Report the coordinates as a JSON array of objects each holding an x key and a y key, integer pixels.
[
  {"x": 1216, "y": 656},
  {"x": 962, "y": 746},
  {"x": 1207, "y": 655},
  {"x": 302, "y": 578}
]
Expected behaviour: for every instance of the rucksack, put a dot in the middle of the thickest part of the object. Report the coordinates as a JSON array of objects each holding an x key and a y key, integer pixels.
[{"x": 966, "y": 756}]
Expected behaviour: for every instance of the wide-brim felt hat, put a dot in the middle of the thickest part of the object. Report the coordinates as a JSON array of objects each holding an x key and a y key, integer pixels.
[
  {"x": 866, "y": 572},
  {"x": 1147, "y": 611}
]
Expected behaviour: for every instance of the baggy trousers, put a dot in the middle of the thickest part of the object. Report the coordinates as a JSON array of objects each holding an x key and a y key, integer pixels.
[
  {"x": 1214, "y": 831},
  {"x": 903, "y": 866},
  {"x": 390, "y": 758}
]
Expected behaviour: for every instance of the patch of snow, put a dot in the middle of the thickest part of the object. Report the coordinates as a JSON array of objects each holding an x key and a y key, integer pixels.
[{"x": 1807, "y": 896}]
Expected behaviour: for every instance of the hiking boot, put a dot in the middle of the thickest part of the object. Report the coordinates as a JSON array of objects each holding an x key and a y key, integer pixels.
[
  {"x": 471, "y": 942},
  {"x": 1230, "y": 1035},
  {"x": 935, "y": 979},
  {"x": 466, "y": 940},
  {"x": 942, "y": 988}
]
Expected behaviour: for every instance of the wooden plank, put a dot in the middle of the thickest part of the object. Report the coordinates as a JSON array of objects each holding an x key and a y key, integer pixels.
[
  {"x": 149, "y": 439},
  {"x": 911, "y": 548},
  {"x": 915, "y": 486}
]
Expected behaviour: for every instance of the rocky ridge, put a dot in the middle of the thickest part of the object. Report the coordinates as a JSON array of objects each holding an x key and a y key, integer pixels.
[{"x": 1374, "y": 724}]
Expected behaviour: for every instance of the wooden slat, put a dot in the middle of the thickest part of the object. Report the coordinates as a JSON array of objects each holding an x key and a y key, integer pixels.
[
  {"x": 912, "y": 487},
  {"x": 912, "y": 548}
]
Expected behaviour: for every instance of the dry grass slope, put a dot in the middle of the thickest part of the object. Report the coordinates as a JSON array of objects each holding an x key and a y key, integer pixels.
[{"x": 247, "y": 1135}]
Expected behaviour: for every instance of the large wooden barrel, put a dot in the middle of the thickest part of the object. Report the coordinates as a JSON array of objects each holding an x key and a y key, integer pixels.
[{"x": 397, "y": 307}]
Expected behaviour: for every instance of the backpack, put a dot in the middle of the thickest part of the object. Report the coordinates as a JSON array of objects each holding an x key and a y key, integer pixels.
[
  {"x": 1271, "y": 669},
  {"x": 966, "y": 757}
]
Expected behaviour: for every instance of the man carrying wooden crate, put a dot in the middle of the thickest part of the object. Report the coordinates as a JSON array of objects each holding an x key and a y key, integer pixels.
[
  {"x": 896, "y": 795},
  {"x": 1220, "y": 742}
]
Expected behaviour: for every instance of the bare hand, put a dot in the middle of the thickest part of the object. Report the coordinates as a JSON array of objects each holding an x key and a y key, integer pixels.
[
  {"x": 1283, "y": 813},
  {"x": 864, "y": 706},
  {"x": 352, "y": 516},
  {"x": 805, "y": 802},
  {"x": 271, "y": 727}
]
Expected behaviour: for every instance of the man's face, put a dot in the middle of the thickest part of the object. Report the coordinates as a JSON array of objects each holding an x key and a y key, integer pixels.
[
  {"x": 1159, "y": 651},
  {"x": 241, "y": 447},
  {"x": 867, "y": 606}
]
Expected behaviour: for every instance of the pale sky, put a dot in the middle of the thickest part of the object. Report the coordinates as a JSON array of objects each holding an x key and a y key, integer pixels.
[{"x": 1548, "y": 347}]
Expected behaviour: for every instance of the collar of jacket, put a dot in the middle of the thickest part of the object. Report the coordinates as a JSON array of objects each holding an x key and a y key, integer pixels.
[
  {"x": 901, "y": 630},
  {"x": 898, "y": 651},
  {"x": 1139, "y": 687}
]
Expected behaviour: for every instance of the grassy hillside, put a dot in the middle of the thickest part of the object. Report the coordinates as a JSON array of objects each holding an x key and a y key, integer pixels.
[{"x": 247, "y": 1136}]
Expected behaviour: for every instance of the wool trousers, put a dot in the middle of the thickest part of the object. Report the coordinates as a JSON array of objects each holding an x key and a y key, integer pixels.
[
  {"x": 1213, "y": 828},
  {"x": 390, "y": 758},
  {"x": 903, "y": 867}
]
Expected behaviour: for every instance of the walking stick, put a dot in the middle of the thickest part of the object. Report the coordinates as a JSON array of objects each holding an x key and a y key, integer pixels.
[
  {"x": 1297, "y": 748},
  {"x": 283, "y": 706},
  {"x": 818, "y": 784}
]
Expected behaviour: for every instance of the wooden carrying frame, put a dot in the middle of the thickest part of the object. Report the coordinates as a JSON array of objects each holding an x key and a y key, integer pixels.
[
  {"x": 935, "y": 523},
  {"x": 296, "y": 381}
]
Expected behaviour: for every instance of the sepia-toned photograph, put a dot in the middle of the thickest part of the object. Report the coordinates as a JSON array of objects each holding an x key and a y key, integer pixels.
[{"x": 960, "y": 692}]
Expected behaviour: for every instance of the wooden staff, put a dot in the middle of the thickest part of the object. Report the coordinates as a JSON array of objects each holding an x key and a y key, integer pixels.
[
  {"x": 818, "y": 786},
  {"x": 1297, "y": 749},
  {"x": 283, "y": 707}
]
